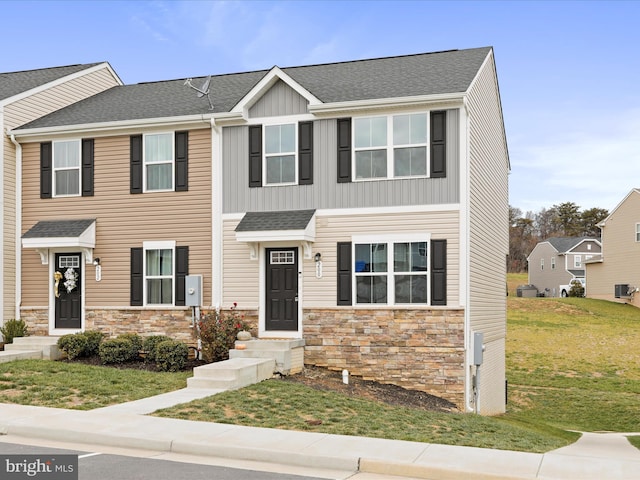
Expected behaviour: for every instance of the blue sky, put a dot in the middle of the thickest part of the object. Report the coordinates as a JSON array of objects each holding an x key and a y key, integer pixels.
[{"x": 569, "y": 72}]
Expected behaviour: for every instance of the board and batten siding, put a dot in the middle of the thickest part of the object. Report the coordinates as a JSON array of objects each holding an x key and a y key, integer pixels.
[
  {"x": 279, "y": 100},
  {"x": 241, "y": 274},
  {"x": 123, "y": 221},
  {"x": 488, "y": 231},
  {"x": 326, "y": 192},
  {"x": 620, "y": 253}
]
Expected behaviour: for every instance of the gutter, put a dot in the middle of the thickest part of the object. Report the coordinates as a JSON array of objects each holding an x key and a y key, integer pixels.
[{"x": 18, "y": 220}]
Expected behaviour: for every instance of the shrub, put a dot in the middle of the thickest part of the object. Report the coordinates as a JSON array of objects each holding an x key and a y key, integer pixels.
[
  {"x": 577, "y": 290},
  {"x": 73, "y": 344},
  {"x": 136, "y": 342},
  {"x": 118, "y": 350},
  {"x": 171, "y": 355},
  {"x": 94, "y": 339},
  {"x": 13, "y": 328},
  {"x": 217, "y": 331},
  {"x": 150, "y": 345}
]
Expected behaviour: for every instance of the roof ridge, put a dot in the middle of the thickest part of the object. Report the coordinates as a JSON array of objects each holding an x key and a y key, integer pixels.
[{"x": 53, "y": 68}]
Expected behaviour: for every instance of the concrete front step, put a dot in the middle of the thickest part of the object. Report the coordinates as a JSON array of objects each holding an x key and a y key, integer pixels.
[
  {"x": 288, "y": 354},
  {"x": 232, "y": 374},
  {"x": 48, "y": 346},
  {"x": 9, "y": 356}
]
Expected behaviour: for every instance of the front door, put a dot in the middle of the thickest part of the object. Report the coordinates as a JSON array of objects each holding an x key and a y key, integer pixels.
[
  {"x": 282, "y": 289},
  {"x": 68, "y": 290}
]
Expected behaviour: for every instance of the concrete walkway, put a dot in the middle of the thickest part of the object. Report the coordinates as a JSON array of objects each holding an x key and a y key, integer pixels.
[{"x": 593, "y": 457}]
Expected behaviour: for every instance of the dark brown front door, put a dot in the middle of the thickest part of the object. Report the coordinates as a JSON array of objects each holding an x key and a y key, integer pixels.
[
  {"x": 68, "y": 290},
  {"x": 282, "y": 289}
]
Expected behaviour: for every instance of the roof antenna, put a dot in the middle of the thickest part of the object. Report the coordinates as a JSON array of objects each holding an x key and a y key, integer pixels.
[{"x": 202, "y": 91}]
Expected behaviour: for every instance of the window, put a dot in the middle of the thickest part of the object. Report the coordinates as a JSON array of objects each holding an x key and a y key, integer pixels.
[
  {"x": 158, "y": 273},
  {"x": 391, "y": 273},
  {"x": 577, "y": 261},
  {"x": 637, "y": 232},
  {"x": 542, "y": 264},
  {"x": 66, "y": 168},
  {"x": 280, "y": 153},
  {"x": 390, "y": 146},
  {"x": 158, "y": 162},
  {"x": 553, "y": 263}
]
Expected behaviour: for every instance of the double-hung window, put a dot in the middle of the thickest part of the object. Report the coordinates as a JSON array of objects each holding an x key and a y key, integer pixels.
[
  {"x": 66, "y": 168},
  {"x": 391, "y": 272},
  {"x": 392, "y": 146},
  {"x": 637, "y": 232},
  {"x": 159, "y": 273},
  {"x": 577, "y": 261},
  {"x": 280, "y": 154},
  {"x": 158, "y": 162}
]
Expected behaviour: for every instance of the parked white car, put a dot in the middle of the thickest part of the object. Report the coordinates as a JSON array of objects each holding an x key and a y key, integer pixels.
[{"x": 565, "y": 289}]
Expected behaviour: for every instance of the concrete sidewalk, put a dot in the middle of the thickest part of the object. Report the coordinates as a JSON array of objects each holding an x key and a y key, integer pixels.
[{"x": 593, "y": 457}]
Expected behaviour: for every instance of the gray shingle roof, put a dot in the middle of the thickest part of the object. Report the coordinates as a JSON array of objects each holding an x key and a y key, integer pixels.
[
  {"x": 269, "y": 221},
  {"x": 564, "y": 244},
  {"x": 14, "y": 83},
  {"x": 392, "y": 77},
  {"x": 58, "y": 228}
]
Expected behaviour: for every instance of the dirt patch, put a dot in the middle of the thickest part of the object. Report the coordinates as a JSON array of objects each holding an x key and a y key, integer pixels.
[{"x": 325, "y": 379}]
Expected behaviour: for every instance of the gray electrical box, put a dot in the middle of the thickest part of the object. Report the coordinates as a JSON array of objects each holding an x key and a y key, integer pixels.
[
  {"x": 193, "y": 290},
  {"x": 478, "y": 348}
]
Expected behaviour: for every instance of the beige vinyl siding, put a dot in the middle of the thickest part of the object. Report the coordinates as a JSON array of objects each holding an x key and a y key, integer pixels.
[
  {"x": 42, "y": 103},
  {"x": 9, "y": 230},
  {"x": 242, "y": 275},
  {"x": 488, "y": 227},
  {"x": 124, "y": 220},
  {"x": 620, "y": 253},
  {"x": 281, "y": 99}
]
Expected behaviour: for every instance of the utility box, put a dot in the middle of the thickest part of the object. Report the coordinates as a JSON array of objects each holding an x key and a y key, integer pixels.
[
  {"x": 478, "y": 348},
  {"x": 193, "y": 290},
  {"x": 621, "y": 290}
]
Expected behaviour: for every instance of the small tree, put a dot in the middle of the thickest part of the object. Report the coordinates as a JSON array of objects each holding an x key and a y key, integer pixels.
[
  {"x": 217, "y": 332},
  {"x": 577, "y": 290},
  {"x": 13, "y": 328}
]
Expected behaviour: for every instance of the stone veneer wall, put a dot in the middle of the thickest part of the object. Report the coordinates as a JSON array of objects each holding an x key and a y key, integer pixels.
[
  {"x": 175, "y": 323},
  {"x": 415, "y": 349}
]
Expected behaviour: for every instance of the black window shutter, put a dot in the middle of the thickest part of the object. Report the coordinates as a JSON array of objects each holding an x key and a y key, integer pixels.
[
  {"x": 344, "y": 150},
  {"x": 87, "y": 167},
  {"x": 305, "y": 153},
  {"x": 344, "y": 273},
  {"x": 182, "y": 161},
  {"x": 137, "y": 277},
  {"x": 46, "y": 157},
  {"x": 438, "y": 144},
  {"x": 182, "y": 270},
  {"x": 255, "y": 156},
  {"x": 136, "y": 163},
  {"x": 438, "y": 272}
]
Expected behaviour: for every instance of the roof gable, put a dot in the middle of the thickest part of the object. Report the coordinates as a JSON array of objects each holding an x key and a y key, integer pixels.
[{"x": 604, "y": 222}]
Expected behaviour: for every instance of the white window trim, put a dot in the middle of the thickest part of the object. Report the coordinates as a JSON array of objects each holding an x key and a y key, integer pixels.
[
  {"x": 542, "y": 264},
  {"x": 54, "y": 169},
  {"x": 145, "y": 164},
  {"x": 280, "y": 121},
  {"x": 577, "y": 261},
  {"x": 390, "y": 146},
  {"x": 389, "y": 240},
  {"x": 161, "y": 245},
  {"x": 638, "y": 232},
  {"x": 553, "y": 263}
]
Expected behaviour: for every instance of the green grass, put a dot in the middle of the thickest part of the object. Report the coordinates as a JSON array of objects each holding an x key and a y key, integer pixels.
[{"x": 77, "y": 386}]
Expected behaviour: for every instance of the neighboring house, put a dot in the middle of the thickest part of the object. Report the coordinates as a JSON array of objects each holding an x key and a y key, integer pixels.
[
  {"x": 616, "y": 276},
  {"x": 361, "y": 206},
  {"x": 556, "y": 261},
  {"x": 25, "y": 96}
]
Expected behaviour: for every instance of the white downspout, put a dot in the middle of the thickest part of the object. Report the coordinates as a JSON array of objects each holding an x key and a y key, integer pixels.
[
  {"x": 216, "y": 214},
  {"x": 18, "y": 225}
]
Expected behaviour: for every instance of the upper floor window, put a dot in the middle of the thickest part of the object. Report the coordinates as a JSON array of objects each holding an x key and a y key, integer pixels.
[
  {"x": 66, "y": 168},
  {"x": 637, "y": 232},
  {"x": 280, "y": 154},
  {"x": 577, "y": 261},
  {"x": 391, "y": 273},
  {"x": 542, "y": 264},
  {"x": 158, "y": 161},
  {"x": 553, "y": 263},
  {"x": 390, "y": 146}
]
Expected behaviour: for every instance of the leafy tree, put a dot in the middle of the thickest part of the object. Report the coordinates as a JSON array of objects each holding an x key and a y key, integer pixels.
[
  {"x": 590, "y": 219},
  {"x": 568, "y": 219}
]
